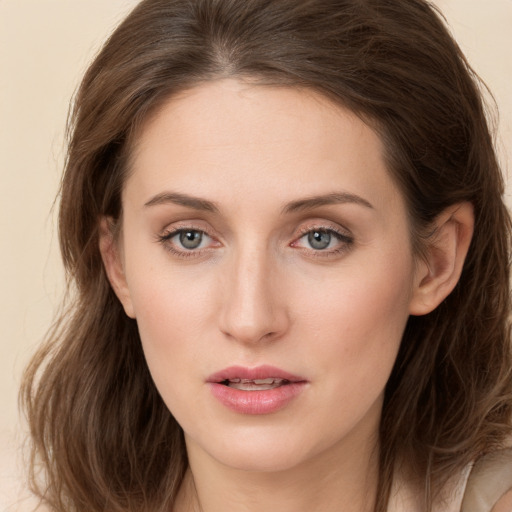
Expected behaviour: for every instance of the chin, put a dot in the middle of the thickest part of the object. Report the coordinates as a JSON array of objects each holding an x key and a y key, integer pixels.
[
  {"x": 261, "y": 450},
  {"x": 261, "y": 460}
]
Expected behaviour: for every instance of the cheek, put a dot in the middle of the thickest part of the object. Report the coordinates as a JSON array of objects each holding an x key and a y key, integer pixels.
[
  {"x": 170, "y": 318},
  {"x": 359, "y": 326},
  {"x": 359, "y": 320},
  {"x": 170, "y": 312},
  {"x": 171, "y": 307}
]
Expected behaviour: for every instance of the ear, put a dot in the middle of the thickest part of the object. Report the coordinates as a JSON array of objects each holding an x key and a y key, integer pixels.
[
  {"x": 438, "y": 272},
  {"x": 113, "y": 262}
]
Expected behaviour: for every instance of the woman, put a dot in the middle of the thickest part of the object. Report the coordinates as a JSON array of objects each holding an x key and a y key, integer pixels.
[{"x": 285, "y": 226}]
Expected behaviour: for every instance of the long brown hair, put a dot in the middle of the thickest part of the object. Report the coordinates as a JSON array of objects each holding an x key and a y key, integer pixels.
[{"x": 100, "y": 432}]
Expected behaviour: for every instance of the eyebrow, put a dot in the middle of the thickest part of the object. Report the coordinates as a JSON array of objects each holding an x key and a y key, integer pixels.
[
  {"x": 300, "y": 205},
  {"x": 324, "y": 200},
  {"x": 195, "y": 203}
]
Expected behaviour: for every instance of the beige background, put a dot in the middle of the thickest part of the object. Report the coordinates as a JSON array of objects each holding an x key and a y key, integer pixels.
[{"x": 45, "y": 46}]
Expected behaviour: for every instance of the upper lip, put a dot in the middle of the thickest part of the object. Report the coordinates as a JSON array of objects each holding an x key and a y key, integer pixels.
[{"x": 259, "y": 372}]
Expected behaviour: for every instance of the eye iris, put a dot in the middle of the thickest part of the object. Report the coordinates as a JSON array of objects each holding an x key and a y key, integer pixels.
[
  {"x": 191, "y": 239},
  {"x": 319, "y": 239}
]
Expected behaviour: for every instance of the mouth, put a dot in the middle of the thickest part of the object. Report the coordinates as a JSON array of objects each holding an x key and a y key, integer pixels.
[
  {"x": 255, "y": 384},
  {"x": 256, "y": 391},
  {"x": 254, "y": 379}
]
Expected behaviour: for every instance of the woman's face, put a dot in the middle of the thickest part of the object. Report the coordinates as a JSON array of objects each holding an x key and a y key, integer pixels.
[{"x": 267, "y": 259}]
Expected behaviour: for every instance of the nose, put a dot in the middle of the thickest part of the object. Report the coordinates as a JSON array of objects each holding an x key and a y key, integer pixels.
[{"x": 252, "y": 307}]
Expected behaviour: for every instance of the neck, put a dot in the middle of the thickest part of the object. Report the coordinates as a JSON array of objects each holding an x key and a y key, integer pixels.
[{"x": 342, "y": 478}]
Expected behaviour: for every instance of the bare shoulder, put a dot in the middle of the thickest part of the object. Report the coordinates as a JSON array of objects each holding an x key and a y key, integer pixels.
[{"x": 504, "y": 504}]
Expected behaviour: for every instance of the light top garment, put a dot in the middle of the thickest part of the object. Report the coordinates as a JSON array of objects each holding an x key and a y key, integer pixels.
[
  {"x": 476, "y": 489},
  {"x": 489, "y": 480}
]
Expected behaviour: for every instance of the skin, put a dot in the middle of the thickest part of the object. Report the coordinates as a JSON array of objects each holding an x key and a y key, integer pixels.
[
  {"x": 504, "y": 504},
  {"x": 256, "y": 291}
]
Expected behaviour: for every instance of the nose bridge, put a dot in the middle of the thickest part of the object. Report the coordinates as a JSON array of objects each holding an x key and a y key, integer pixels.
[{"x": 251, "y": 309}]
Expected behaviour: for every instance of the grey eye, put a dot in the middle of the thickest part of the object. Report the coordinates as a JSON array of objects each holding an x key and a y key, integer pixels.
[
  {"x": 319, "y": 239},
  {"x": 191, "y": 239}
]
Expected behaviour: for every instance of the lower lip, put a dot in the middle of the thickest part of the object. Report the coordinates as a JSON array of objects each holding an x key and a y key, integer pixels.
[{"x": 256, "y": 402}]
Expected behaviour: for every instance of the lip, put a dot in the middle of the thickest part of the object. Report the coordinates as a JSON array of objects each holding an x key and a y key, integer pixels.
[
  {"x": 259, "y": 372},
  {"x": 255, "y": 402}
]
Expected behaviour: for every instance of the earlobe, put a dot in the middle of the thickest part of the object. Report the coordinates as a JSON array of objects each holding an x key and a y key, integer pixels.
[
  {"x": 438, "y": 273},
  {"x": 112, "y": 261}
]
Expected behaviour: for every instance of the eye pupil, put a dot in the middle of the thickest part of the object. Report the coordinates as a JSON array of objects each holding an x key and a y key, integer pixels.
[
  {"x": 191, "y": 239},
  {"x": 319, "y": 239}
]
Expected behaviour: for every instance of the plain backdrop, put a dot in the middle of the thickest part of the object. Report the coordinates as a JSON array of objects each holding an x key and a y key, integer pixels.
[{"x": 45, "y": 46}]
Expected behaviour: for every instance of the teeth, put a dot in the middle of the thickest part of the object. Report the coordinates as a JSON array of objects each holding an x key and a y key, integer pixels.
[
  {"x": 255, "y": 384},
  {"x": 261, "y": 381}
]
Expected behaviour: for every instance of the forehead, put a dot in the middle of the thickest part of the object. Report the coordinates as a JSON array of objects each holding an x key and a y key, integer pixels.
[{"x": 230, "y": 135}]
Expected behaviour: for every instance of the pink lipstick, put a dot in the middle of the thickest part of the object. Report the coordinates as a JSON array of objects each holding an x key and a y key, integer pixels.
[{"x": 260, "y": 390}]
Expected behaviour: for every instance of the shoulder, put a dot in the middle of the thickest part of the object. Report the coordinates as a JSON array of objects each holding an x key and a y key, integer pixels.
[
  {"x": 504, "y": 504},
  {"x": 489, "y": 486}
]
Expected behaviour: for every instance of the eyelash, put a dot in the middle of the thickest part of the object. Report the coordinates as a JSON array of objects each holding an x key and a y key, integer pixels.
[
  {"x": 346, "y": 241},
  {"x": 166, "y": 237}
]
